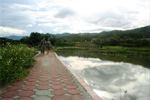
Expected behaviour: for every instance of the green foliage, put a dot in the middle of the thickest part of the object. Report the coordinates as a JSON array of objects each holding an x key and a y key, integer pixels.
[
  {"x": 125, "y": 42},
  {"x": 129, "y": 38},
  {"x": 65, "y": 44},
  {"x": 25, "y": 40},
  {"x": 3, "y": 41},
  {"x": 122, "y": 51},
  {"x": 36, "y": 37},
  {"x": 37, "y": 48},
  {"x": 69, "y": 48},
  {"x": 14, "y": 60}
]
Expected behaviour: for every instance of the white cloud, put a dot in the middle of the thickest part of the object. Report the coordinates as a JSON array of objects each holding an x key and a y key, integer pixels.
[
  {"x": 65, "y": 12},
  {"x": 47, "y": 24},
  {"x": 29, "y": 25},
  {"x": 21, "y": 6},
  {"x": 40, "y": 31},
  {"x": 74, "y": 15},
  {"x": 57, "y": 28},
  {"x": 9, "y": 30}
]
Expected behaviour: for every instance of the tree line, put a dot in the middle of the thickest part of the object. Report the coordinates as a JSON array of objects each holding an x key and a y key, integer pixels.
[
  {"x": 36, "y": 37},
  {"x": 125, "y": 41},
  {"x": 136, "y": 37}
]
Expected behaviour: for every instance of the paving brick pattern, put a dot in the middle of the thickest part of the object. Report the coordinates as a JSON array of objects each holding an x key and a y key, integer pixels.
[{"x": 49, "y": 79}]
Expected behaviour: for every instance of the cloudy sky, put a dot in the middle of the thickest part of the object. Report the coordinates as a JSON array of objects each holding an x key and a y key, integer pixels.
[{"x": 21, "y": 17}]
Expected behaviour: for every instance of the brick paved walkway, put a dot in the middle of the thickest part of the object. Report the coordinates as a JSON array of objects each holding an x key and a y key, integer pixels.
[{"x": 49, "y": 79}]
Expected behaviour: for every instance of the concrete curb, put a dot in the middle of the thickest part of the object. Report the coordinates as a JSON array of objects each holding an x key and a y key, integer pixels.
[
  {"x": 86, "y": 86},
  {"x": 36, "y": 54}
]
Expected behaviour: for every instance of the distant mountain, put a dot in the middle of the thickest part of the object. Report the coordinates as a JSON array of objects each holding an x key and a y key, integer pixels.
[
  {"x": 142, "y": 32},
  {"x": 62, "y": 35},
  {"x": 14, "y": 37}
]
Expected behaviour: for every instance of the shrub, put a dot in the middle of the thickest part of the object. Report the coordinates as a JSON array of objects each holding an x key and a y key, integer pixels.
[
  {"x": 65, "y": 44},
  {"x": 14, "y": 60},
  {"x": 123, "y": 51}
]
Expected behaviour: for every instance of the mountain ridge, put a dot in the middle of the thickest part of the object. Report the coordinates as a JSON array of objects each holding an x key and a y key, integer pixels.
[{"x": 142, "y": 32}]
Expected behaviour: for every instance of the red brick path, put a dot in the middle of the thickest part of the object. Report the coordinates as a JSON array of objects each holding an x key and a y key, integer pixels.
[{"x": 48, "y": 79}]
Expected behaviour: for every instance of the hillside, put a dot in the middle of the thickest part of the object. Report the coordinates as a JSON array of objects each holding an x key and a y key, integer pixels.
[
  {"x": 14, "y": 37},
  {"x": 143, "y": 32}
]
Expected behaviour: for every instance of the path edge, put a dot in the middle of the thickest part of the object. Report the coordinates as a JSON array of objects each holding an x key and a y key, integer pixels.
[
  {"x": 36, "y": 54},
  {"x": 85, "y": 85}
]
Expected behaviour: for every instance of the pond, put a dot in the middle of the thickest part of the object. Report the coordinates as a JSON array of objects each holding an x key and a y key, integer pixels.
[{"x": 111, "y": 80}]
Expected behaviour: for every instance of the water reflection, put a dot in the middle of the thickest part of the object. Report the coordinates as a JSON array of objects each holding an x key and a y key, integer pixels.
[
  {"x": 112, "y": 80},
  {"x": 144, "y": 61}
]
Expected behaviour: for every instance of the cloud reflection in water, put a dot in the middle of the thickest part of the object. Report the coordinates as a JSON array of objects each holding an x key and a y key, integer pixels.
[{"x": 112, "y": 80}]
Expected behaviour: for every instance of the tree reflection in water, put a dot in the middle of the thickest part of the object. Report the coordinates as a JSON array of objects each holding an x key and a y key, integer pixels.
[{"x": 111, "y": 80}]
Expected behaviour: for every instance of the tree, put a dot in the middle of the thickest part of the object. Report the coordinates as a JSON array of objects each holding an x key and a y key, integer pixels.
[
  {"x": 53, "y": 39},
  {"x": 35, "y": 38}
]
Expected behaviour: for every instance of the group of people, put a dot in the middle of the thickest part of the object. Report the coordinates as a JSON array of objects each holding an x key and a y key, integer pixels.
[{"x": 44, "y": 43}]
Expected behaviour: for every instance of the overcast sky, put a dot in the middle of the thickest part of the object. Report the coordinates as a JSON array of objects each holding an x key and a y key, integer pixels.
[{"x": 21, "y": 17}]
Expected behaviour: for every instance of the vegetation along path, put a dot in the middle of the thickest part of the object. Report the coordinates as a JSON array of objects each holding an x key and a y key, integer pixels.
[{"x": 49, "y": 79}]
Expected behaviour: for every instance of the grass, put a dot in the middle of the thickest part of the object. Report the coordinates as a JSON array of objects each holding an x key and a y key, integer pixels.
[
  {"x": 69, "y": 48},
  {"x": 108, "y": 47},
  {"x": 113, "y": 50},
  {"x": 120, "y": 47}
]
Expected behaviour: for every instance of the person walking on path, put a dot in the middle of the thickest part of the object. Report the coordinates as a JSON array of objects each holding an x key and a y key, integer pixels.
[
  {"x": 48, "y": 45},
  {"x": 42, "y": 44}
]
